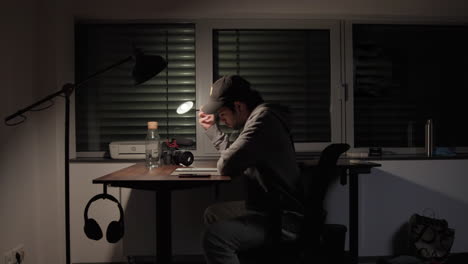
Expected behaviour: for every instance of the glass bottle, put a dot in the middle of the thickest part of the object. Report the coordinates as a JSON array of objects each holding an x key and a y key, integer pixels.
[{"x": 152, "y": 145}]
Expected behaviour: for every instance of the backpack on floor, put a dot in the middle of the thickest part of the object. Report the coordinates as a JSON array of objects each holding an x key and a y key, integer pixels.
[{"x": 430, "y": 239}]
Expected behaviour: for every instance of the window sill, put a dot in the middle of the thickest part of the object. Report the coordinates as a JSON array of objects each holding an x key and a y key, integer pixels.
[
  {"x": 109, "y": 160},
  {"x": 420, "y": 156},
  {"x": 103, "y": 160},
  {"x": 300, "y": 157},
  {"x": 415, "y": 157}
]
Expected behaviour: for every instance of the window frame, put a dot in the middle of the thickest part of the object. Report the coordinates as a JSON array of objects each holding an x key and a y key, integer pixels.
[
  {"x": 204, "y": 70},
  {"x": 105, "y": 154},
  {"x": 342, "y": 79},
  {"x": 348, "y": 66},
  {"x": 341, "y": 74}
]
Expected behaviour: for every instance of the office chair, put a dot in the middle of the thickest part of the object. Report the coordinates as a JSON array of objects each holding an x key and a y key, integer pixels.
[
  {"x": 317, "y": 242},
  {"x": 327, "y": 239}
]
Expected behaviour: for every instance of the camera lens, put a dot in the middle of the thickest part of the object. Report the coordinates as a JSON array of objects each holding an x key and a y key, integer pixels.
[{"x": 183, "y": 157}]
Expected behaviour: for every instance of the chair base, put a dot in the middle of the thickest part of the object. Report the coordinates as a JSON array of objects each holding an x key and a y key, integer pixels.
[{"x": 330, "y": 251}]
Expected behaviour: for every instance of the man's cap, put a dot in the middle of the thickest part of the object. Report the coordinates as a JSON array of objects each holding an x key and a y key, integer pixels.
[{"x": 226, "y": 89}]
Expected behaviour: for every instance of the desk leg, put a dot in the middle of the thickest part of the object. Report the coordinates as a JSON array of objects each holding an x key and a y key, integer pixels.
[
  {"x": 163, "y": 227},
  {"x": 353, "y": 217}
]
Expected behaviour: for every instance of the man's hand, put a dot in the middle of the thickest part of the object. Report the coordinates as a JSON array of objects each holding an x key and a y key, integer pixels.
[{"x": 206, "y": 120}]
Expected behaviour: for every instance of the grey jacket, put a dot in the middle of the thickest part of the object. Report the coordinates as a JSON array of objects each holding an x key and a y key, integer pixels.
[{"x": 264, "y": 153}]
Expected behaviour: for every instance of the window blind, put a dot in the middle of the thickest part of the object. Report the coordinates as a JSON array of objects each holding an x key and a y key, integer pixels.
[
  {"x": 290, "y": 67},
  {"x": 110, "y": 107},
  {"x": 404, "y": 75}
]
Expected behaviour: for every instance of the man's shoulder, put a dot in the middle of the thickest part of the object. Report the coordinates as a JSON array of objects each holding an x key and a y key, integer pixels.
[
  {"x": 261, "y": 113},
  {"x": 274, "y": 112},
  {"x": 270, "y": 109}
]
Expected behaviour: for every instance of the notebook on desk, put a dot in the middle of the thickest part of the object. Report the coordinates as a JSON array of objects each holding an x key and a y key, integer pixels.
[{"x": 195, "y": 172}]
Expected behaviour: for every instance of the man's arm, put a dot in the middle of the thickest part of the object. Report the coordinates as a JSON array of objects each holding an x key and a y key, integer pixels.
[
  {"x": 219, "y": 139},
  {"x": 250, "y": 147}
]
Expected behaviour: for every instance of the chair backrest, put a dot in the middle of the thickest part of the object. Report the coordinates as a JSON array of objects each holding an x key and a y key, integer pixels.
[
  {"x": 316, "y": 180},
  {"x": 329, "y": 156},
  {"x": 326, "y": 170}
]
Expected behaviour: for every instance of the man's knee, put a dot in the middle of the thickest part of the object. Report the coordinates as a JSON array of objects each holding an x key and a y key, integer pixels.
[
  {"x": 223, "y": 211},
  {"x": 213, "y": 238},
  {"x": 218, "y": 246},
  {"x": 209, "y": 216}
]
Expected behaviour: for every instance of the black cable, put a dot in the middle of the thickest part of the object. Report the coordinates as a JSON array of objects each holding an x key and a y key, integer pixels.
[
  {"x": 51, "y": 103},
  {"x": 17, "y": 123}
]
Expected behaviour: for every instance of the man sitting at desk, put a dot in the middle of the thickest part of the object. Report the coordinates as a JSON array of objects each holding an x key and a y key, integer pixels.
[{"x": 264, "y": 154}]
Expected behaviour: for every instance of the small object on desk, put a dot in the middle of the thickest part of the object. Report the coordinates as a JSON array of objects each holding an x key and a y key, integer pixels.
[
  {"x": 357, "y": 154},
  {"x": 192, "y": 175},
  {"x": 375, "y": 152},
  {"x": 359, "y": 162},
  {"x": 444, "y": 151},
  {"x": 193, "y": 170},
  {"x": 196, "y": 169}
]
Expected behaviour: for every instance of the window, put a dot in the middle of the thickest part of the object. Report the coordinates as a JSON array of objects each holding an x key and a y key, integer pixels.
[
  {"x": 110, "y": 108},
  {"x": 292, "y": 62},
  {"x": 291, "y": 67},
  {"x": 404, "y": 75},
  {"x": 399, "y": 76}
]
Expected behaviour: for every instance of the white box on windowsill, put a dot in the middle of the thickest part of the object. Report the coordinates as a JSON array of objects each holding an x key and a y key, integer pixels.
[
  {"x": 127, "y": 149},
  {"x": 357, "y": 154}
]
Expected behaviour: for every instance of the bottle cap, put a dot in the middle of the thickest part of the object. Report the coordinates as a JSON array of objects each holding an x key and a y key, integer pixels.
[{"x": 152, "y": 125}]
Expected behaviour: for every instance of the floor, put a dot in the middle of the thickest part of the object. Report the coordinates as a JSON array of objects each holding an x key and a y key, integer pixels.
[{"x": 197, "y": 259}]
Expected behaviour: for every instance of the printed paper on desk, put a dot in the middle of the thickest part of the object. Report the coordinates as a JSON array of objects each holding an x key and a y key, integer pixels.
[{"x": 192, "y": 170}]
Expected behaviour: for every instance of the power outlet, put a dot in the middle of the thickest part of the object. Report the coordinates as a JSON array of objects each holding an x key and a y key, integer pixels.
[{"x": 10, "y": 256}]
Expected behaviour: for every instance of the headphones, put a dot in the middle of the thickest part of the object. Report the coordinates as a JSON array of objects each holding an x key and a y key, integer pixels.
[{"x": 115, "y": 230}]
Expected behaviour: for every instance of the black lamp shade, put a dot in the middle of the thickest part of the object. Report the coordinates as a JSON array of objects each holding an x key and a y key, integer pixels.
[{"x": 147, "y": 66}]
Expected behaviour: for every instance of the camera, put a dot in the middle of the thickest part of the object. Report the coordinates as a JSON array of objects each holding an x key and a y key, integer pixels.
[{"x": 177, "y": 157}]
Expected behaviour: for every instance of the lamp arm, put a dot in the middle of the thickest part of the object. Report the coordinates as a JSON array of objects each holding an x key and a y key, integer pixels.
[
  {"x": 66, "y": 90},
  {"x": 45, "y": 99},
  {"x": 104, "y": 70}
]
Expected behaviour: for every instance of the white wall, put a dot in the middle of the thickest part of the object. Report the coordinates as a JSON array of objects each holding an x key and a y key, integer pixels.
[
  {"x": 31, "y": 155},
  {"x": 401, "y": 188},
  {"x": 18, "y": 173},
  {"x": 396, "y": 190},
  {"x": 180, "y": 9},
  {"x": 140, "y": 216},
  {"x": 388, "y": 196},
  {"x": 83, "y": 249},
  {"x": 37, "y": 58}
]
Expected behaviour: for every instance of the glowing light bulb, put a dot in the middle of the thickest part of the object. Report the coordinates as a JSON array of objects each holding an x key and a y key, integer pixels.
[{"x": 184, "y": 107}]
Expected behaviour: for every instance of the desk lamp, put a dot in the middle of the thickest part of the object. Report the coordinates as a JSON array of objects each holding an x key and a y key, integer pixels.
[
  {"x": 145, "y": 68},
  {"x": 185, "y": 107}
]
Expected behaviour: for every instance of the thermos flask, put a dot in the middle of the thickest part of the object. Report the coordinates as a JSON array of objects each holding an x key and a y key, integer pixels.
[{"x": 429, "y": 138}]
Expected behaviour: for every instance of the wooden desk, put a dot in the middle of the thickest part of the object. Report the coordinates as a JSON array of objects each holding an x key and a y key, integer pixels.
[
  {"x": 349, "y": 171},
  {"x": 162, "y": 182}
]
